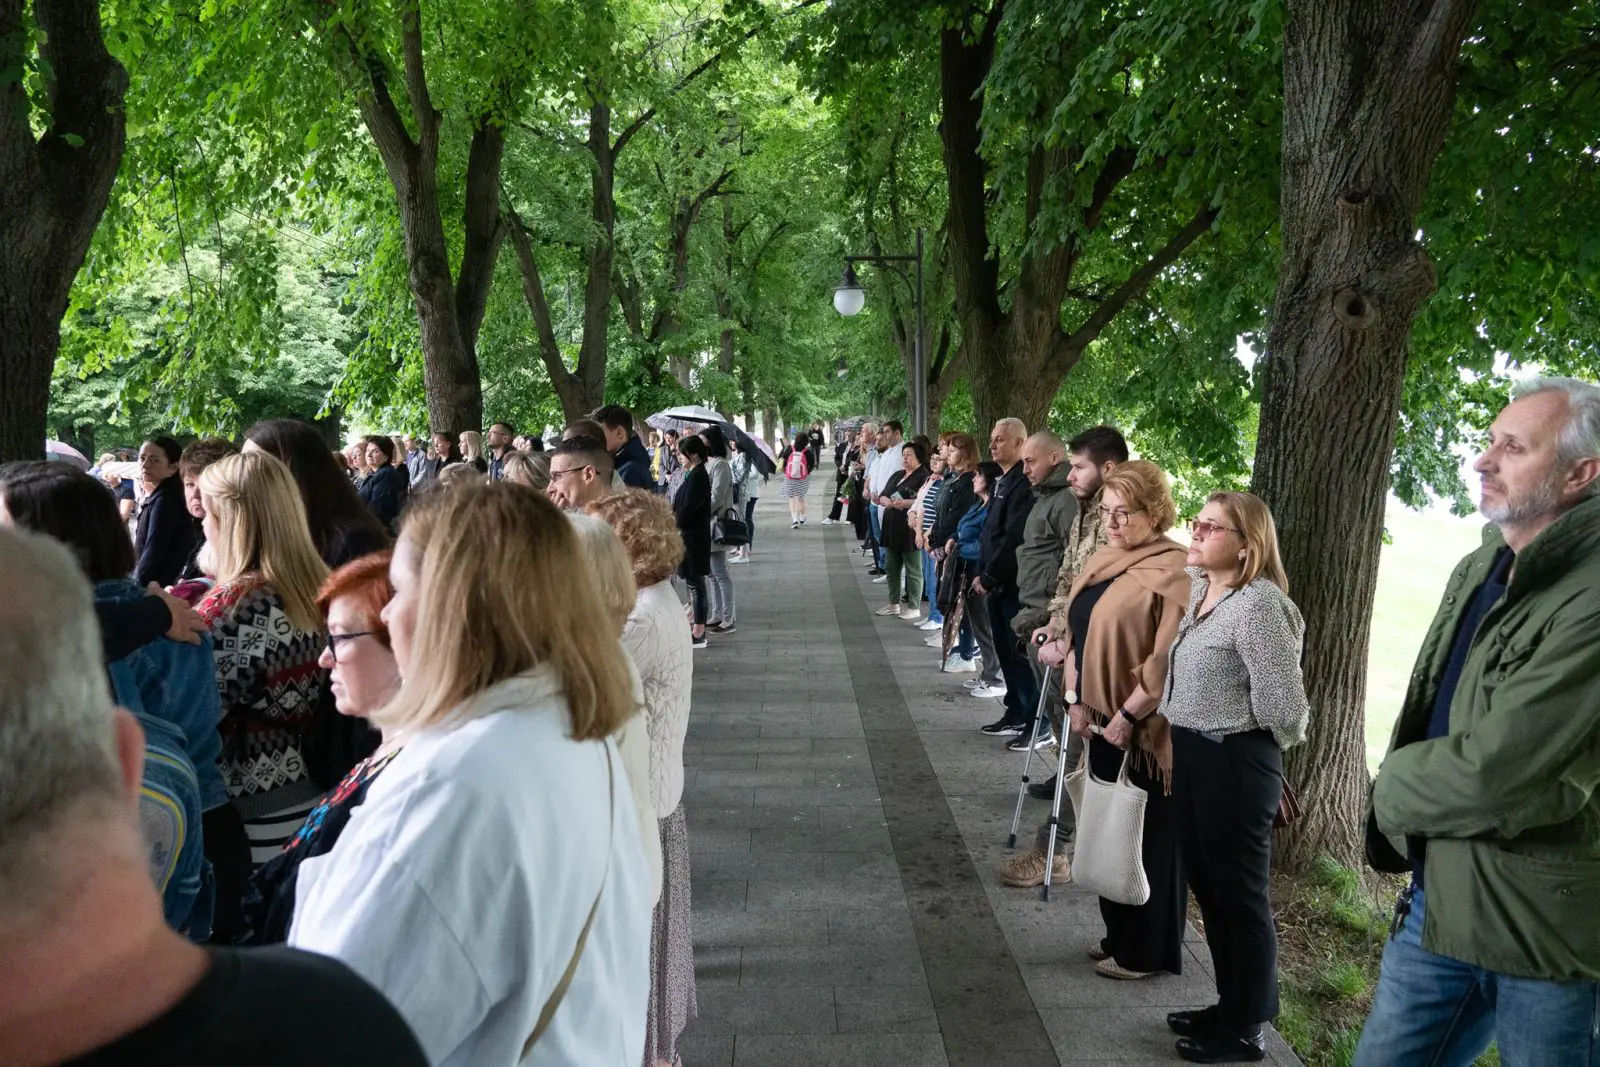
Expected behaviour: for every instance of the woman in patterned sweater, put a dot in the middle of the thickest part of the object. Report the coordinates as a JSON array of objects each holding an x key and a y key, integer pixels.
[{"x": 266, "y": 633}]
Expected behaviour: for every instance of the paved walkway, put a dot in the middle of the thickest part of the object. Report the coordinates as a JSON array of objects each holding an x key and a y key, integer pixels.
[{"x": 845, "y": 820}]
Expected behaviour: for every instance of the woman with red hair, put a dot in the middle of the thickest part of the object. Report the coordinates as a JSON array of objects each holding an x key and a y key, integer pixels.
[{"x": 362, "y": 666}]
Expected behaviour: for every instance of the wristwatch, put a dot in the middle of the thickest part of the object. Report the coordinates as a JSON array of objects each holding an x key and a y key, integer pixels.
[
  {"x": 1126, "y": 714},
  {"x": 1070, "y": 696}
]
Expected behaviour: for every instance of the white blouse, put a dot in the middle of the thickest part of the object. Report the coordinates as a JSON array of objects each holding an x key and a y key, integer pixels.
[
  {"x": 658, "y": 640},
  {"x": 460, "y": 887}
]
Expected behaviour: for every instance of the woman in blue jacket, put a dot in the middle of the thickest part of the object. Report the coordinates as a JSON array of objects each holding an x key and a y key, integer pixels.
[{"x": 975, "y": 626}]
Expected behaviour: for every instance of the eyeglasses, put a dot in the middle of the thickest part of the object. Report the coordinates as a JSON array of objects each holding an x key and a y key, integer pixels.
[
  {"x": 335, "y": 640},
  {"x": 555, "y": 475},
  {"x": 1200, "y": 529},
  {"x": 1118, "y": 518}
]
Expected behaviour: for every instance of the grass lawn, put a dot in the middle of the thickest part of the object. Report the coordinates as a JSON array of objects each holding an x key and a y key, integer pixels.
[{"x": 1411, "y": 575}]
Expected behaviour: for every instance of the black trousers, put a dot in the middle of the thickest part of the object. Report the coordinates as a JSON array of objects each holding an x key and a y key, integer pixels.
[
  {"x": 1227, "y": 793},
  {"x": 838, "y": 497},
  {"x": 1148, "y": 936}
]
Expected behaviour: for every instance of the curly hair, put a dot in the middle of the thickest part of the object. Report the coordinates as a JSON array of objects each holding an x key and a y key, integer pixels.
[
  {"x": 1142, "y": 484},
  {"x": 645, "y": 523}
]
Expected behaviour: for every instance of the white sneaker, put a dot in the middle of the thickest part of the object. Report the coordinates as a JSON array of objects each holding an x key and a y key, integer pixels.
[
  {"x": 880, "y": 579},
  {"x": 911, "y": 614},
  {"x": 934, "y": 641},
  {"x": 974, "y": 683},
  {"x": 931, "y": 624},
  {"x": 956, "y": 663},
  {"x": 794, "y": 525},
  {"x": 738, "y": 559},
  {"x": 989, "y": 691},
  {"x": 889, "y": 609},
  {"x": 830, "y": 522}
]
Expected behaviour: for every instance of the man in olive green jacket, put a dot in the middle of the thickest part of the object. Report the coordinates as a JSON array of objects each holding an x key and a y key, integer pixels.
[{"x": 1489, "y": 791}]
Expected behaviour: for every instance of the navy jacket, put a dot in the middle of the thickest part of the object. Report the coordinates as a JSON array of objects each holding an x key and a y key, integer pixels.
[
  {"x": 384, "y": 492},
  {"x": 165, "y": 535},
  {"x": 1009, "y": 505},
  {"x": 633, "y": 464}
]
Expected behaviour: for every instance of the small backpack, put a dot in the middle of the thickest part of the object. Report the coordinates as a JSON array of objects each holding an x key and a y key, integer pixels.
[{"x": 799, "y": 465}]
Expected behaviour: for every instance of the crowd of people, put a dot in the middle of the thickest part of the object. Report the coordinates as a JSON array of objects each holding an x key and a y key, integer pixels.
[
  {"x": 439, "y": 755},
  {"x": 1050, "y": 573},
  {"x": 403, "y": 749}
]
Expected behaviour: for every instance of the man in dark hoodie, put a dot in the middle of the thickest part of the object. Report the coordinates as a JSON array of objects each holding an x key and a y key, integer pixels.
[
  {"x": 628, "y": 453},
  {"x": 1010, "y": 501}
]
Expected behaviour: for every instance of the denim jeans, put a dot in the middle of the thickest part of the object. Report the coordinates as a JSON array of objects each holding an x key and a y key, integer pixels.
[
  {"x": 1431, "y": 1009},
  {"x": 874, "y": 518},
  {"x": 930, "y": 586},
  {"x": 719, "y": 584}
]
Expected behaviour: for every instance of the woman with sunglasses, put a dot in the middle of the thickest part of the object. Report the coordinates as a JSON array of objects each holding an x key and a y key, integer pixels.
[
  {"x": 1236, "y": 699},
  {"x": 1123, "y": 614},
  {"x": 361, "y": 663}
]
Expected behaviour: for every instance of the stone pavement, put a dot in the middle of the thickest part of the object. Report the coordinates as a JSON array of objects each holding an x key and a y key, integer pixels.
[{"x": 845, "y": 820}]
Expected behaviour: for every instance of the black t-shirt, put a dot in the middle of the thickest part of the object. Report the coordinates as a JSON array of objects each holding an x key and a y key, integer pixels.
[{"x": 270, "y": 1007}]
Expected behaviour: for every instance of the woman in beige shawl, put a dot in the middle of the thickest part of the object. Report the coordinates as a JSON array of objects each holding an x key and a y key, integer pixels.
[{"x": 1123, "y": 615}]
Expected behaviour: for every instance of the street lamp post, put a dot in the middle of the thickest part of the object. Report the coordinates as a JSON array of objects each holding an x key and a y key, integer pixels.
[{"x": 849, "y": 298}]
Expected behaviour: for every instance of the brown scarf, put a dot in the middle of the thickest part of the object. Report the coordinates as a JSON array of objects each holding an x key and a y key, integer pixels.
[{"x": 1133, "y": 626}]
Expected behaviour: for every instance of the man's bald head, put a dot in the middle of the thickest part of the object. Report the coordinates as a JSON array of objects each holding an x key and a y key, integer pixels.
[{"x": 1041, "y": 455}]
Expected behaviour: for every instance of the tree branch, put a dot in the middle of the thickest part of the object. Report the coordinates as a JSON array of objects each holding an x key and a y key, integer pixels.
[
  {"x": 1117, "y": 167},
  {"x": 483, "y": 228},
  {"x": 533, "y": 293},
  {"x": 633, "y": 128},
  {"x": 416, "y": 78},
  {"x": 1136, "y": 284}
]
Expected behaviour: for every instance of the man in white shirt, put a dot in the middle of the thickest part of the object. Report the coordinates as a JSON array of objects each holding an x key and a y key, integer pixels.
[{"x": 891, "y": 441}]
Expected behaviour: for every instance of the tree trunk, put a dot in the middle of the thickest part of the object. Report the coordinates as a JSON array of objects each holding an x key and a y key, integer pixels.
[
  {"x": 56, "y": 188},
  {"x": 1368, "y": 93},
  {"x": 769, "y": 426}
]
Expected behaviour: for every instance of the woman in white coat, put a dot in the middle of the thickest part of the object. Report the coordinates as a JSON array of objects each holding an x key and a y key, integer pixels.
[
  {"x": 492, "y": 886},
  {"x": 660, "y": 645}
]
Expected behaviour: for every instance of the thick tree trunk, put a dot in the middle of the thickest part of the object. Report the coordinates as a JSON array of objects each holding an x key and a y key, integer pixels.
[
  {"x": 1369, "y": 88},
  {"x": 56, "y": 188}
]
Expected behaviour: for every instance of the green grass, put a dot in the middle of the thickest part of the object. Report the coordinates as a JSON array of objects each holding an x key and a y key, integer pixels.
[{"x": 1412, "y": 571}]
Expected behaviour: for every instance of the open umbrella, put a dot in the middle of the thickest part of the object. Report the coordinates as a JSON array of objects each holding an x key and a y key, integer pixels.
[
  {"x": 754, "y": 447},
  {"x": 65, "y": 453},
  {"x": 689, "y": 417}
]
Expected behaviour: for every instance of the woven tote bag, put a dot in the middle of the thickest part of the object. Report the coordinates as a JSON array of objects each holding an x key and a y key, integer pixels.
[{"x": 1108, "y": 858}]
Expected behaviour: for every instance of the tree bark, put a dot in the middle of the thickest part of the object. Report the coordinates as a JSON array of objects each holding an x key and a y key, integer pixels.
[
  {"x": 1369, "y": 87},
  {"x": 56, "y": 189},
  {"x": 449, "y": 310}
]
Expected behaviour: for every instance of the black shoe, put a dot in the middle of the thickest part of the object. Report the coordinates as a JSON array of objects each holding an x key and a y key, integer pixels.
[
  {"x": 1025, "y": 742},
  {"x": 1222, "y": 1048},
  {"x": 1193, "y": 1023},
  {"x": 1047, "y": 791},
  {"x": 877, "y": 572},
  {"x": 1004, "y": 728}
]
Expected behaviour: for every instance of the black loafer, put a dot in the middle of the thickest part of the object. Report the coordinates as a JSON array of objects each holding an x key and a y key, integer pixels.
[
  {"x": 1222, "y": 1048},
  {"x": 1047, "y": 791},
  {"x": 1193, "y": 1023}
]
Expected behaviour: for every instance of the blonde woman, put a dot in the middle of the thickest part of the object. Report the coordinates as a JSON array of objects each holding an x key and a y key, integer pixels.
[
  {"x": 662, "y": 651},
  {"x": 494, "y": 874},
  {"x": 472, "y": 450},
  {"x": 266, "y": 635},
  {"x": 1236, "y": 699},
  {"x": 531, "y": 469},
  {"x": 611, "y": 569}
]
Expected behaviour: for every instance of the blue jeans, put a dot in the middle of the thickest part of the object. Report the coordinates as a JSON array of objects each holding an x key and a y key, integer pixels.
[
  {"x": 1435, "y": 1011},
  {"x": 877, "y": 533},
  {"x": 930, "y": 586}
]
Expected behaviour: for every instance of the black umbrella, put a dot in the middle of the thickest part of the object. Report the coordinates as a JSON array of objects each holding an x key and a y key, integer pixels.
[{"x": 756, "y": 449}]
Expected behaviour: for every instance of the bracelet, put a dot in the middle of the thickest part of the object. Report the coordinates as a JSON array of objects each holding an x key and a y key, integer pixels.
[{"x": 1126, "y": 714}]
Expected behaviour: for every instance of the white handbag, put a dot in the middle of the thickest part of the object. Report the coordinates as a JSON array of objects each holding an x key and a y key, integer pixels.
[{"x": 1108, "y": 858}]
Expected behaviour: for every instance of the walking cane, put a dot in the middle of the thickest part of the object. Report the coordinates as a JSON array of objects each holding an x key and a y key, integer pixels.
[{"x": 1039, "y": 719}]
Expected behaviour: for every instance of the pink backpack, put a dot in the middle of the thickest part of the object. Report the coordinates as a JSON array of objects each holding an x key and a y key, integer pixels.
[{"x": 799, "y": 465}]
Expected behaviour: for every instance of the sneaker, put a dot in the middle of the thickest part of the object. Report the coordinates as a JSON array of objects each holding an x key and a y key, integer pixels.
[
  {"x": 1045, "y": 790},
  {"x": 1026, "y": 870},
  {"x": 989, "y": 691},
  {"x": 933, "y": 640},
  {"x": 1110, "y": 968},
  {"x": 802, "y": 520},
  {"x": 888, "y": 609},
  {"x": 830, "y": 522},
  {"x": 910, "y": 615},
  {"x": 1022, "y": 743},
  {"x": 880, "y": 579},
  {"x": 721, "y": 628},
  {"x": 698, "y": 642},
  {"x": 794, "y": 526},
  {"x": 956, "y": 663},
  {"x": 975, "y": 683},
  {"x": 1002, "y": 728},
  {"x": 932, "y": 624}
]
